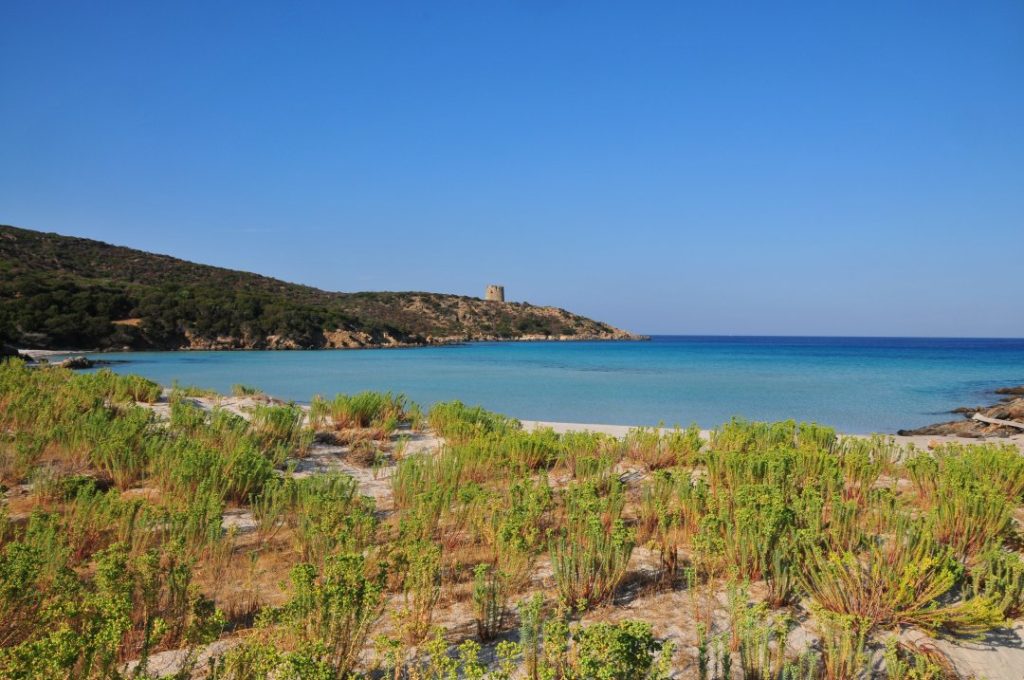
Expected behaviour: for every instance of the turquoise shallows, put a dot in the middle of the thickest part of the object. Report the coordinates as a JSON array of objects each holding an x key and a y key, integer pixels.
[{"x": 857, "y": 385}]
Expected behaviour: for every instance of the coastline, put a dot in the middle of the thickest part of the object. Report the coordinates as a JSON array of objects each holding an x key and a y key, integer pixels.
[
  {"x": 917, "y": 441},
  {"x": 608, "y": 382},
  {"x": 429, "y": 342}
]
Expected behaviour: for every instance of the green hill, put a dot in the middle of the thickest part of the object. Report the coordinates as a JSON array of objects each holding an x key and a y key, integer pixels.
[{"x": 61, "y": 292}]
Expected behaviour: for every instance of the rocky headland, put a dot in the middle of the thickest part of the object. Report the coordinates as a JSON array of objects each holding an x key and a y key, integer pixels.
[
  {"x": 983, "y": 421},
  {"x": 66, "y": 293}
]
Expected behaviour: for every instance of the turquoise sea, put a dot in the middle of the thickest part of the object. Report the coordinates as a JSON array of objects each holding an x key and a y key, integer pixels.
[{"x": 854, "y": 384}]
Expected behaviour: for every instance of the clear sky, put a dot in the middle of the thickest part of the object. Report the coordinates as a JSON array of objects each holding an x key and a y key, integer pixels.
[{"x": 824, "y": 168}]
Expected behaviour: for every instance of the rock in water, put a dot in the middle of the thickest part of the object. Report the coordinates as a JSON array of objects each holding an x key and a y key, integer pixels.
[
  {"x": 1009, "y": 408},
  {"x": 8, "y": 351},
  {"x": 77, "y": 363}
]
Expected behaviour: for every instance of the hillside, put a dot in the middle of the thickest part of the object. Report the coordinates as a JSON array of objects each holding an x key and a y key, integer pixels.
[{"x": 61, "y": 292}]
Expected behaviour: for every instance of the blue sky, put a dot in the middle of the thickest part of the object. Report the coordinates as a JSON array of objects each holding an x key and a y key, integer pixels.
[{"x": 719, "y": 167}]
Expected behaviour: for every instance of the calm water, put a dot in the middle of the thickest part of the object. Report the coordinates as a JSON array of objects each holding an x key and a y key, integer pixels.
[{"x": 854, "y": 384}]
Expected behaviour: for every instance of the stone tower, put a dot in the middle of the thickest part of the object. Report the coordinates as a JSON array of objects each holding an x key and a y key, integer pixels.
[{"x": 495, "y": 293}]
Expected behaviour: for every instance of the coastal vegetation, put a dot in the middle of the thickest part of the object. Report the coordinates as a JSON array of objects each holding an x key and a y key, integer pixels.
[
  {"x": 149, "y": 532},
  {"x": 60, "y": 292}
]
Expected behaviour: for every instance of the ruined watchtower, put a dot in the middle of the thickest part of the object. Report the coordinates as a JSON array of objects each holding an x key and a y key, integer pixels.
[{"x": 495, "y": 293}]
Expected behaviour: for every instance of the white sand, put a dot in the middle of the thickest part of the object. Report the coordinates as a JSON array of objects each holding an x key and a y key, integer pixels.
[
  {"x": 918, "y": 441},
  {"x": 49, "y": 354}
]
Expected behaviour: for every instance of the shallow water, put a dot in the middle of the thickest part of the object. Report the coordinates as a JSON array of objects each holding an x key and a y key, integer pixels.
[{"x": 857, "y": 385}]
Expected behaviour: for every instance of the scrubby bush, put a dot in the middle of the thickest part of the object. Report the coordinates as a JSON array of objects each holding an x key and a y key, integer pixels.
[
  {"x": 901, "y": 580},
  {"x": 599, "y": 651},
  {"x": 998, "y": 575},
  {"x": 672, "y": 506},
  {"x": 457, "y": 422},
  {"x": 489, "y": 600},
  {"x": 362, "y": 410},
  {"x": 336, "y": 609},
  {"x": 240, "y": 390},
  {"x": 589, "y": 556},
  {"x": 421, "y": 587},
  {"x": 331, "y": 516},
  {"x": 281, "y": 426}
]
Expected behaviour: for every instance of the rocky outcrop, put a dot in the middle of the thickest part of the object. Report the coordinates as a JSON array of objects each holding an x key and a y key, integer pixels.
[
  {"x": 357, "y": 339},
  {"x": 346, "y": 339},
  {"x": 535, "y": 337},
  {"x": 342, "y": 339},
  {"x": 1010, "y": 408},
  {"x": 8, "y": 351},
  {"x": 77, "y": 363}
]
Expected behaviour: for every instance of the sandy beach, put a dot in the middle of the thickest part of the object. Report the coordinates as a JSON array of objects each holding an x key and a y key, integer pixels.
[{"x": 918, "y": 441}]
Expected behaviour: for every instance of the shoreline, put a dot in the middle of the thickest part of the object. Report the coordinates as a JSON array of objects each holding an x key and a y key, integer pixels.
[
  {"x": 918, "y": 441},
  {"x": 900, "y": 436},
  {"x": 438, "y": 342}
]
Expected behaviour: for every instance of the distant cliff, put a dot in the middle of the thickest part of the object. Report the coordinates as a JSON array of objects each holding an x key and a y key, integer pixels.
[{"x": 61, "y": 292}]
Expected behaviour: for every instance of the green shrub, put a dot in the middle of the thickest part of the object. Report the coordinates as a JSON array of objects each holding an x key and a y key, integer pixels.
[
  {"x": 179, "y": 392},
  {"x": 604, "y": 651},
  {"x": 240, "y": 390},
  {"x": 995, "y": 465},
  {"x": 761, "y": 643},
  {"x": 218, "y": 447},
  {"x": 121, "y": 446},
  {"x": 331, "y": 516},
  {"x": 529, "y": 451},
  {"x": 644, "y": 444},
  {"x": 121, "y": 388},
  {"x": 84, "y": 630},
  {"x": 488, "y": 602},
  {"x": 998, "y": 575},
  {"x": 280, "y": 431},
  {"x": 21, "y": 592},
  {"x": 417, "y": 474},
  {"x": 906, "y": 662},
  {"x": 684, "y": 445},
  {"x": 969, "y": 519},
  {"x": 744, "y": 529},
  {"x": 362, "y": 410},
  {"x": 843, "y": 645},
  {"x": 421, "y": 588},
  {"x": 337, "y": 608},
  {"x": 590, "y": 554},
  {"x": 902, "y": 580},
  {"x": 671, "y": 508},
  {"x": 457, "y": 422}
]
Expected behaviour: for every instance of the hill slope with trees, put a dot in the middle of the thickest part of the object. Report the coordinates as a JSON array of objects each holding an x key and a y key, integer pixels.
[{"x": 62, "y": 292}]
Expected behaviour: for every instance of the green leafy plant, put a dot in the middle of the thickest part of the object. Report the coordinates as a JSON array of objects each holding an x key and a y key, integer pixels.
[
  {"x": 488, "y": 602},
  {"x": 900, "y": 580},
  {"x": 589, "y": 557},
  {"x": 998, "y": 575},
  {"x": 421, "y": 587},
  {"x": 337, "y": 608}
]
